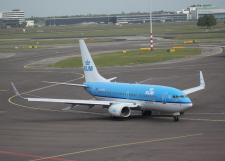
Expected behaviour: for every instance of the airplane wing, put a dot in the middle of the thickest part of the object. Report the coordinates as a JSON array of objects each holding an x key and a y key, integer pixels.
[
  {"x": 70, "y": 101},
  {"x": 66, "y": 101},
  {"x": 198, "y": 88},
  {"x": 73, "y": 101}
]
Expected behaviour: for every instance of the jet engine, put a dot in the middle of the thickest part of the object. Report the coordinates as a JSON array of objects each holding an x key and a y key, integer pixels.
[{"x": 119, "y": 110}]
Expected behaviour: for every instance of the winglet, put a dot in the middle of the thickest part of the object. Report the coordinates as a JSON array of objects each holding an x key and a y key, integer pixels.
[
  {"x": 16, "y": 91},
  {"x": 202, "y": 81},
  {"x": 198, "y": 88}
]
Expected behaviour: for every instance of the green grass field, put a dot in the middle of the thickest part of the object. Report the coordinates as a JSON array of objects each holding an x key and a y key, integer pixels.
[
  {"x": 130, "y": 58},
  {"x": 72, "y": 31},
  {"x": 76, "y": 31},
  {"x": 17, "y": 40}
]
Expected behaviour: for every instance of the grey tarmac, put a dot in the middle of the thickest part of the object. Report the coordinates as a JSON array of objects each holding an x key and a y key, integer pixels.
[{"x": 41, "y": 131}]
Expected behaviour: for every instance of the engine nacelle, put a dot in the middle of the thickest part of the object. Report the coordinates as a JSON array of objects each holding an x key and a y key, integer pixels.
[{"x": 119, "y": 110}]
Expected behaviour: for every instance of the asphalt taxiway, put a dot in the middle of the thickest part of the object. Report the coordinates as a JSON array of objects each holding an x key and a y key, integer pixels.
[{"x": 42, "y": 131}]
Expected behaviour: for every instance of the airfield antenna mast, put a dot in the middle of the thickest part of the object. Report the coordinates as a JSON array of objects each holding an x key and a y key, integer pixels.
[{"x": 151, "y": 43}]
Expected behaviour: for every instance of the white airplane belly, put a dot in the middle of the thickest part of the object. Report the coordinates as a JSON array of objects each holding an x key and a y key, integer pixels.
[
  {"x": 166, "y": 107},
  {"x": 156, "y": 106}
]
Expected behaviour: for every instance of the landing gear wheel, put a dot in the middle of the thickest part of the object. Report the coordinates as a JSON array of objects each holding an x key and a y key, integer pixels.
[
  {"x": 176, "y": 118},
  {"x": 146, "y": 113}
]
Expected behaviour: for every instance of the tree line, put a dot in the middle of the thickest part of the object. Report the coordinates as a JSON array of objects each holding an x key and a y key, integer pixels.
[{"x": 207, "y": 21}]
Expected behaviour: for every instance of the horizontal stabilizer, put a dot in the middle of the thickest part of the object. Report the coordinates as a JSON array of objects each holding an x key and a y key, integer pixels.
[
  {"x": 64, "y": 83},
  {"x": 111, "y": 79}
]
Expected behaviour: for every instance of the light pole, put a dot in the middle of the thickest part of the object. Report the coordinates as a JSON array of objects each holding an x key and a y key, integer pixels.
[{"x": 151, "y": 42}]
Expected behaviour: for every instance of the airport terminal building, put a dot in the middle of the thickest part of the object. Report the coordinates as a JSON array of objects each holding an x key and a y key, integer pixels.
[
  {"x": 194, "y": 12},
  {"x": 12, "y": 18},
  {"x": 160, "y": 16},
  {"x": 80, "y": 20}
]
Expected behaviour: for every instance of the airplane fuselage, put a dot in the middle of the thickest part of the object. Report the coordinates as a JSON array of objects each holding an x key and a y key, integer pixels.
[{"x": 149, "y": 97}]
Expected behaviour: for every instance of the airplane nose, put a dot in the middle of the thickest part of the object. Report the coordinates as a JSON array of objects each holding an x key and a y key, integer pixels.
[
  {"x": 187, "y": 105},
  {"x": 190, "y": 105}
]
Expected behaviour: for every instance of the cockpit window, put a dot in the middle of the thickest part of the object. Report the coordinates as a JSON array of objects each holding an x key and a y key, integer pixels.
[{"x": 180, "y": 96}]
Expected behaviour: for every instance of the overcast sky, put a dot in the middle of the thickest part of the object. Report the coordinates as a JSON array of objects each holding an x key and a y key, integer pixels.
[{"x": 74, "y": 7}]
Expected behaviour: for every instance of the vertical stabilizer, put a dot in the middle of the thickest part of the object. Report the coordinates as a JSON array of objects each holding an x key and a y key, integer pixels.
[{"x": 90, "y": 71}]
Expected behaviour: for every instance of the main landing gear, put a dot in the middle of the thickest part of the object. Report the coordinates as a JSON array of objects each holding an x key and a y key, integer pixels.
[
  {"x": 146, "y": 113},
  {"x": 176, "y": 116}
]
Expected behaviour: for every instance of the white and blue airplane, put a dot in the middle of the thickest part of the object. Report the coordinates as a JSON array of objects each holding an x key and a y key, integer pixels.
[{"x": 121, "y": 98}]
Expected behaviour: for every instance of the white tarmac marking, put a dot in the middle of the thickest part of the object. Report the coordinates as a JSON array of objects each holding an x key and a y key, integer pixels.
[
  {"x": 6, "y": 55},
  {"x": 121, "y": 145},
  {"x": 144, "y": 81},
  {"x": 53, "y": 85},
  {"x": 206, "y": 120},
  {"x": 3, "y": 90},
  {"x": 206, "y": 113}
]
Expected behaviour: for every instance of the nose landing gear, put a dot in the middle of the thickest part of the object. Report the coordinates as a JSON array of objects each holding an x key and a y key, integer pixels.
[{"x": 176, "y": 116}]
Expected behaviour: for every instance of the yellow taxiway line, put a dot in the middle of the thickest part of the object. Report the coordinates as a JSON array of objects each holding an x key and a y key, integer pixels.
[{"x": 119, "y": 146}]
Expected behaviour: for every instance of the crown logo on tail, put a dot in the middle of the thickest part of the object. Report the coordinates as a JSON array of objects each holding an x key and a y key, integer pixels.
[
  {"x": 88, "y": 67},
  {"x": 87, "y": 62}
]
